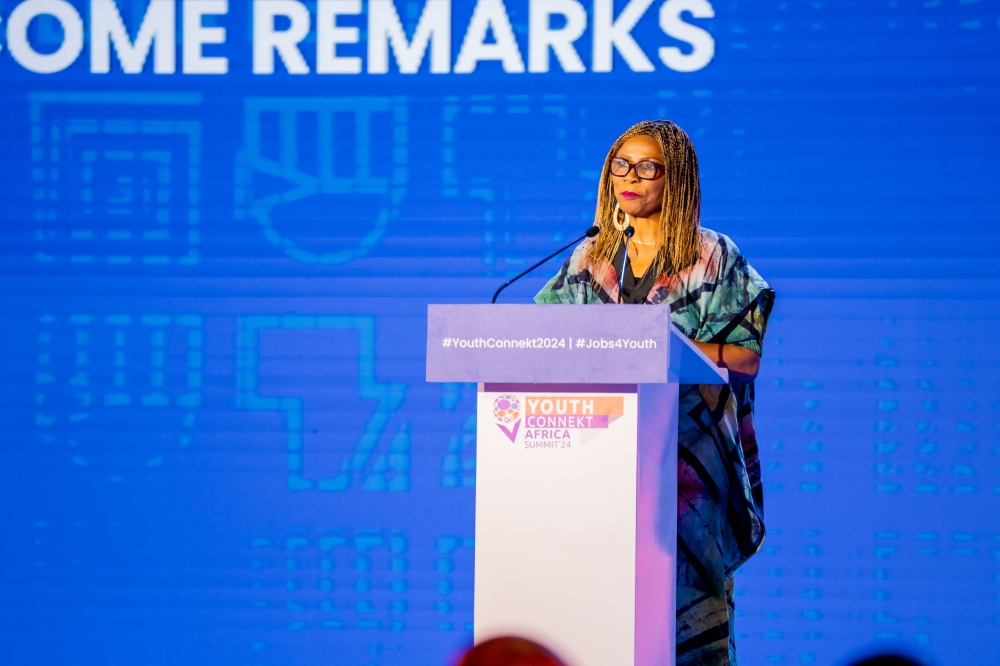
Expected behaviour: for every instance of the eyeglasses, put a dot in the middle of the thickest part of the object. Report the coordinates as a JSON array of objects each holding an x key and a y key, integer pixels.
[{"x": 644, "y": 169}]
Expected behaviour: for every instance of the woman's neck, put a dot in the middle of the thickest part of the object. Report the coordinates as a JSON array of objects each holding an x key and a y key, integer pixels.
[{"x": 646, "y": 229}]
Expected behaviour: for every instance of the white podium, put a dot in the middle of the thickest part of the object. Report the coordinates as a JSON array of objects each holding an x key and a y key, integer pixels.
[{"x": 576, "y": 471}]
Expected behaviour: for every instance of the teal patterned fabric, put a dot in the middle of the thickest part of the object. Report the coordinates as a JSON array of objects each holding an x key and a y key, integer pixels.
[{"x": 720, "y": 507}]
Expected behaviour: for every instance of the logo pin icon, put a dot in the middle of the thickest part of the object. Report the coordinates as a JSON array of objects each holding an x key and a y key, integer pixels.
[{"x": 507, "y": 411}]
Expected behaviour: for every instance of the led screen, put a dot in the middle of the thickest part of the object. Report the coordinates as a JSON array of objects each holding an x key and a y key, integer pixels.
[{"x": 223, "y": 222}]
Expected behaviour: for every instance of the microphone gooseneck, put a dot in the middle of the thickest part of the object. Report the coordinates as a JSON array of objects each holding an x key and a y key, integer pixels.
[
  {"x": 629, "y": 232},
  {"x": 590, "y": 233}
]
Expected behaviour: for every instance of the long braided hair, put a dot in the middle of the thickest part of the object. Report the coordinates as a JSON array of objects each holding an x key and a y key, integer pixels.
[{"x": 679, "y": 234}]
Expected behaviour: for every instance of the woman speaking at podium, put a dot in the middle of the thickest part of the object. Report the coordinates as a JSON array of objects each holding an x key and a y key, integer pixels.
[{"x": 648, "y": 208}]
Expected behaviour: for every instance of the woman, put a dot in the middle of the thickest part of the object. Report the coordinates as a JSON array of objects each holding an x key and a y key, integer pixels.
[{"x": 650, "y": 182}]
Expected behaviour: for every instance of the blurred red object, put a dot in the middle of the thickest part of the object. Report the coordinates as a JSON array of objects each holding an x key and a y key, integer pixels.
[{"x": 509, "y": 651}]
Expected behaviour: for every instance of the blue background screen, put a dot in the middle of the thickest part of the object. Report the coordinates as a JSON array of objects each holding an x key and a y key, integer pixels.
[{"x": 217, "y": 443}]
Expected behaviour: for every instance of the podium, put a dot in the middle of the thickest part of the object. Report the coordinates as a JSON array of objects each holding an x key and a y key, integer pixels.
[{"x": 576, "y": 471}]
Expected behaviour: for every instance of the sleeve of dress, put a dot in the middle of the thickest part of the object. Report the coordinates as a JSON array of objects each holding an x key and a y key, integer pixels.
[{"x": 741, "y": 302}]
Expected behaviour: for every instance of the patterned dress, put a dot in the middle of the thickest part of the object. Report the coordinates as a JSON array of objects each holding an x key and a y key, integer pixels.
[{"x": 720, "y": 521}]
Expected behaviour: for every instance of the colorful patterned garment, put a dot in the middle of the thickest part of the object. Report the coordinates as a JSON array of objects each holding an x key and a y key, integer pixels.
[{"x": 720, "y": 524}]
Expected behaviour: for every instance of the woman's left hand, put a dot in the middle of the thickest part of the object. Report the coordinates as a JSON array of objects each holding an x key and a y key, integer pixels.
[{"x": 743, "y": 364}]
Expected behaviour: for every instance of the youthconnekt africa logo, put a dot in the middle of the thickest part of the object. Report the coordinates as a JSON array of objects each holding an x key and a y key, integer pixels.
[{"x": 551, "y": 421}]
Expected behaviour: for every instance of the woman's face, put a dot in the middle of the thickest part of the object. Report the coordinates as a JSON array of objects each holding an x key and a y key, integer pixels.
[{"x": 639, "y": 198}]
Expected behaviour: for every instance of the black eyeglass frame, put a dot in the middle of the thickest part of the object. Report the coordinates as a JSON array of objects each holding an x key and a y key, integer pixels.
[{"x": 660, "y": 169}]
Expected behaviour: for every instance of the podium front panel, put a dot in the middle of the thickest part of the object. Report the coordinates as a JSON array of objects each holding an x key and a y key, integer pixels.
[{"x": 556, "y": 521}]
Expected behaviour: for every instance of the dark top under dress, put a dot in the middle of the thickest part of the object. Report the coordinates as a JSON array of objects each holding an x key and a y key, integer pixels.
[{"x": 634, "y": 291}]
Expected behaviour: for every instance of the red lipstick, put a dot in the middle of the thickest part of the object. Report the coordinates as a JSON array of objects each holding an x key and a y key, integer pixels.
[{"x": 629, "y": 195}]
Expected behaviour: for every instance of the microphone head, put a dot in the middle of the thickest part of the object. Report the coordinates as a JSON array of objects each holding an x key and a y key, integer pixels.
[
  {"x": 593, "y": 231},
  {"x": 629, "y": 231}
]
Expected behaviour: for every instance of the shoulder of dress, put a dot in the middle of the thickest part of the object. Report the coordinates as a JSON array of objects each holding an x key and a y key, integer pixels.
[
  {"x": 713, "y": 241},
  {"x": 578, "y": 257},
  {"x": 582, "y": 261}
]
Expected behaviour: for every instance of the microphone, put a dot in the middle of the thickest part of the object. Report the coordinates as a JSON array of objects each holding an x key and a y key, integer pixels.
[
  {"x": 629, "y": 232},
  {"x": 590, "y": 233}
]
